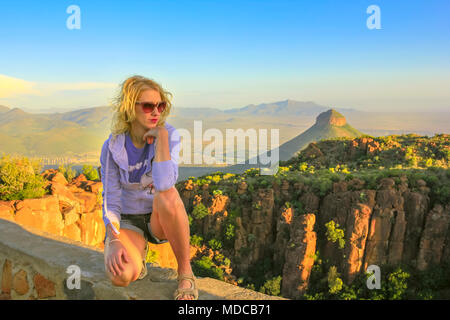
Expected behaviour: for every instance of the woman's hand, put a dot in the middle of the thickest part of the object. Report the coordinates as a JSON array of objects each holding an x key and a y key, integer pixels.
[
  {"x": 117, "y": 255},
  {"x": 154, "y": 133}
]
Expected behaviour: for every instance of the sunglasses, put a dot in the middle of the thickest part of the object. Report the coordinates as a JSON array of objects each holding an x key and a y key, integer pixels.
[{"x": 149, "y": 107}]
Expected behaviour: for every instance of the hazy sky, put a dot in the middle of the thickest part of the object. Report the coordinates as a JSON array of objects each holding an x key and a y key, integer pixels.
[{"x": 226, "y": 54}]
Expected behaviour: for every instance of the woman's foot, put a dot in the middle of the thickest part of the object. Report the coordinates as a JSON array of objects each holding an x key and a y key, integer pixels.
[{"x": 187, "y": 289}]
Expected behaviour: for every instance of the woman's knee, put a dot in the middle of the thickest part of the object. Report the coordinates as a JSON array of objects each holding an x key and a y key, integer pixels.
[
  {"x": 120, "y": 281},
  {"x": 124, "y": 279},
  {"x": 131, "y": 270}
]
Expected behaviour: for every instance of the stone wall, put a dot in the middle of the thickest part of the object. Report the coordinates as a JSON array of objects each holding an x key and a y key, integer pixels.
[
  {"x": 72, "y": 210},
  {"x": 37, "y": 265}
]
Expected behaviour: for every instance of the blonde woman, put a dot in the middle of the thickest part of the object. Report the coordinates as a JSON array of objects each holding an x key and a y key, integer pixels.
[{"x": 140, "y": 203}]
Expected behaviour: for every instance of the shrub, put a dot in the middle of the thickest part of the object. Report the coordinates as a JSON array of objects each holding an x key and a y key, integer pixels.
[
  {"x": 219, "y": 257},
  {"x": 251, "y": 237},
  {"x": 302, "y": 167},
  {"x": 206, "y": 268},
  {"x": 229, "y": 233},
  {"x": 200, "y": 211},
  {"x": 196, "y": 240},
  {"x": 362, "y": 197},
  {"x": 334, "y": 234},
  {"x": 334, "y": 282},
  {"x": 215, "y": 244},
  {"x": 152, "y": 256},
  {"x": 271, "y": 286},
  {"x": 397, "y": 284},
  {"x": 68, "y": 172},
  {"x": 90, "y": 173},
  {"x": 19, "y": 180}
]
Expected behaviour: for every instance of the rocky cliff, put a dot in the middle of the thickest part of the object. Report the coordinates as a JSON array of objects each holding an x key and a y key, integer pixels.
[{"x": 390, "y": 225}]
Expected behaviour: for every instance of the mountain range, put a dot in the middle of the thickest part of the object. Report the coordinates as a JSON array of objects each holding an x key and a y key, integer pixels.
[
  {"x": 329, "y": 124},
  {"x": 83, "y": 131}
]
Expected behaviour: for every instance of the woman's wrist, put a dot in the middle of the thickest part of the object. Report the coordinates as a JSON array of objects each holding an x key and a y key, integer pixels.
[
  {"x": 115, "y": 240},
  {"x": 161, "y": 132},
  {"x": 162, "y": 150},
  {"x": 110, "y": 231}
]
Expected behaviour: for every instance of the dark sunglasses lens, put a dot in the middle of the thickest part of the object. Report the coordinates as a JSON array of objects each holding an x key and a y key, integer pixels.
[
  {"x": 148, "y": 107},
  {"x": 162, "y": 106}
]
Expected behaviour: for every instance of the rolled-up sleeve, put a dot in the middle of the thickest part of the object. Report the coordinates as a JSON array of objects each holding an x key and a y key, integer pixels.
[
  {"x": 112, "y": 191},
  {"x": 165, "y": 173}
]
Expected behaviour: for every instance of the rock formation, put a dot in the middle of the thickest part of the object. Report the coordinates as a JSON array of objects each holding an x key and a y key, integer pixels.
[{"x": 391, "y": 225}]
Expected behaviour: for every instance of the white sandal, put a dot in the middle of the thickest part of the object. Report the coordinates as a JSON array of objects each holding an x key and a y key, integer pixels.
[{"x": 192, "y": 291}]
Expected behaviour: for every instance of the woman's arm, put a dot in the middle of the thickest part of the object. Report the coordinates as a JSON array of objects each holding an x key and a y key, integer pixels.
[
  {"x": 162, "y": 149},
  {"x": 111, "y": 192},
  {"x": 167, "y": 153}
]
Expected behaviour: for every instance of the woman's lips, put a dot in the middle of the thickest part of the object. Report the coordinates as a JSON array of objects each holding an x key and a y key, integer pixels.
[{"x": 154, "y": 120}]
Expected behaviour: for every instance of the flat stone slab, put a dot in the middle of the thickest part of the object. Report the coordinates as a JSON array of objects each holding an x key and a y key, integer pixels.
[{"x": 53, "y": 256}]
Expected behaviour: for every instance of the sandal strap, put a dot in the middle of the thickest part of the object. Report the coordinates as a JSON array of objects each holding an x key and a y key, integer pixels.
[
  {"x": 193, "y": 291},
  {"x": 185, "y": 291},
  {"x": 189, "y": 277}
]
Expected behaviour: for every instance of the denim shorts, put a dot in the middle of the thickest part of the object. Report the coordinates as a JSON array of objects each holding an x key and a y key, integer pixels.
[{"x": 141, "y": 224}]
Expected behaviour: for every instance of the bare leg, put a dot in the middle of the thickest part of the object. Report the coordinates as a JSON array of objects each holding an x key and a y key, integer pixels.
[
  {"x": 169, "y": 221},
  {"x": 134, "y": 245}
]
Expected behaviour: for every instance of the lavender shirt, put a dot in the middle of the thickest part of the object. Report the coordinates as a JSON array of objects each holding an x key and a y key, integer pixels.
[{"x": 137, "y": 159}]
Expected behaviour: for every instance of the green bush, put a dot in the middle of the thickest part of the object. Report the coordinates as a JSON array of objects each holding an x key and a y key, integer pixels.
[
  {"x": 200, "y": 211},
  {"x": 196, "y": 240},
  {"x": 19, "y": 179},
  {"x": 272, "y": 286},
  {"x": 334, "y": 234},
  {"x": 334, "y": 282},
  {"x": 215, "y": 244},
  {"x": 206, "y": 268},
  {"x": 90, "y": 173},
  {"x": 68, "y": 172},
  {"x": 229, "y": 233},
  {"x": 362, "y": 197},
  {"x": 397, "y": 284},
  {"x": 152, "y": 256}
]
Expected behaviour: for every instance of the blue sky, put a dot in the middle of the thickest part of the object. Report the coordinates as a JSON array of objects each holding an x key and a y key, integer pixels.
[{"x": 227, "y": 54}]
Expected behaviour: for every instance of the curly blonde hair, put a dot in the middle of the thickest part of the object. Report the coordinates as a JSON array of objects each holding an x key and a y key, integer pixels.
[{"x": 123, "y": 104}]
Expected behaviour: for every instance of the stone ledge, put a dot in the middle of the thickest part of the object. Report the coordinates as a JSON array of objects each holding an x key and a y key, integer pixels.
[{"x": 41, "y": 259}]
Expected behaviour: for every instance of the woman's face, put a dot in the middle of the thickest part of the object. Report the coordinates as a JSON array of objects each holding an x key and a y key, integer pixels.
[{"x": 147, "y": 120}]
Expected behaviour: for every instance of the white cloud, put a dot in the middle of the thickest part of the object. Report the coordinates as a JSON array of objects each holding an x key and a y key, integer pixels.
[
  {"x": 15, "y": 92},
  {"x": 12, "y": 87},
  {"x": 51, "y": 87}
]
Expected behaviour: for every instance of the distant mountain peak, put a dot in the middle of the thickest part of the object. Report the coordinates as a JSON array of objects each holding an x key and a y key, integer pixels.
[
  {"x": 4, "y": 109},
  {"x": 331, "y": 117},
  {"x": 16, "y": 111}
]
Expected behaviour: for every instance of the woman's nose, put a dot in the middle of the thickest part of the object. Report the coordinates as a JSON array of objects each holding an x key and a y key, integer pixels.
[{"x": 155, "y": 112}]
